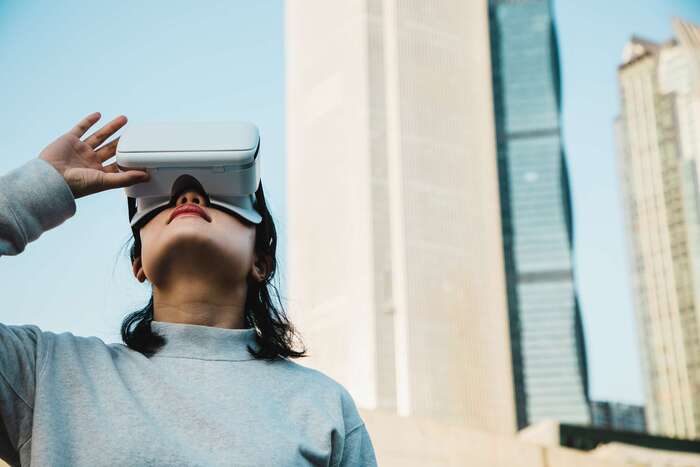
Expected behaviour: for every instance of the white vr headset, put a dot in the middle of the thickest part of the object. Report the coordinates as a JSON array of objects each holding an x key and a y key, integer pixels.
[{"x": 221, "y": 159}]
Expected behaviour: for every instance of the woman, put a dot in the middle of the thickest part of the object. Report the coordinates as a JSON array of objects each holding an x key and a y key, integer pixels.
[{"x": 204, "y": 378}]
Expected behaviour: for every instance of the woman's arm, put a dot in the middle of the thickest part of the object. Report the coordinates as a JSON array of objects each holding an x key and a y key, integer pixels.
[
  {"x": 355, "y": 448},
  {"x": 20, "y": 364},
  {"x": 41, "y": 194},
  {"x": 36, "y": 197},
  {"x": 33, "y": 199},
  {"x": 358, "y": 449}
]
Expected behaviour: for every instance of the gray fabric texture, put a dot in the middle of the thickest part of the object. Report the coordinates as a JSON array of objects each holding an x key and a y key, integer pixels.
[{"x": 203, "y": 400}]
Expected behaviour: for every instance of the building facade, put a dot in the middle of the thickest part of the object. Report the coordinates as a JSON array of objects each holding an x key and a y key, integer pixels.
[
  {"x": 618, "y": 416},
  {"x": 658, "y": 134},
  {"x": 430, "y": 230},
  {"x": 419, "y": 442},
  {"x": 548, "y": 349},
  {"x": 395, "y": 266}
]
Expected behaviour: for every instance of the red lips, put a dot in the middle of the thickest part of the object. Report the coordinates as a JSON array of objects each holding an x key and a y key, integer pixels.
[{"x": 191, "y": 208}]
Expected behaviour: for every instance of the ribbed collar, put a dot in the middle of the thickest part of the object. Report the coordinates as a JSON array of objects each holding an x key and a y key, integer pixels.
[{"x": 205, "y": 342}]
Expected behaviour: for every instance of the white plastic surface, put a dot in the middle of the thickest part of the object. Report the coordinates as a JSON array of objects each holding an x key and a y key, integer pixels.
[
  {"x": 220, "y": 155},
  {"x": 188, "y": 144}
]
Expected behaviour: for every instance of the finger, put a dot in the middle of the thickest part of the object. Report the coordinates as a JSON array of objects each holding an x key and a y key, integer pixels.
[
  {"x": 111, "y": 168},
  {"x": 106, "y": 151},
  {"x": 85, "y": 124},
  {"x": 122, "y": 179},
  {"x": 116, "y": 168},
  {"x": 105, "y": 132}
]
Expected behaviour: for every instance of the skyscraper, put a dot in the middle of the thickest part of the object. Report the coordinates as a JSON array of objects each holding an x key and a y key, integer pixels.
[
  {"x": 396, "y": 276},
  {"x": 549, "y": 358},
  {"x": 659, "y": 148}
]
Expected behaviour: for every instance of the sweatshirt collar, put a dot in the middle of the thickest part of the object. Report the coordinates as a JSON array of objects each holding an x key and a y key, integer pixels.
[{"x": 205, "y": 342}]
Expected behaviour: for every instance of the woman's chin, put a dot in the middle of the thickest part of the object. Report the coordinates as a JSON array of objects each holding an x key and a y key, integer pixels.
[
  {"x": 189, "y": 248},
  {"x": 188, "y": 265},
  {"x": 191, "y": 253},
  {"x": 186, "y": 234}
]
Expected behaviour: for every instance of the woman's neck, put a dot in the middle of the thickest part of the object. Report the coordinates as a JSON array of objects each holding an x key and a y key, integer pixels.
[{"x": 196, "y": 302}]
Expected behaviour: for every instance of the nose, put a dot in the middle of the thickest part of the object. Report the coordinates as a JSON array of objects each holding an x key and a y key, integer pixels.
[{"x": 191, "y": 196}]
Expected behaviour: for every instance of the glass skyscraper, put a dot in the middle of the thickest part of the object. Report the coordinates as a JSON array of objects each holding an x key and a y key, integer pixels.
[{"x": 549, "y": 359}]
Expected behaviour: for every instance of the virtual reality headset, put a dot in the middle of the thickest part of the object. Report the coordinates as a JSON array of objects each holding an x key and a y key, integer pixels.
[{"x": 220, "y": 159}]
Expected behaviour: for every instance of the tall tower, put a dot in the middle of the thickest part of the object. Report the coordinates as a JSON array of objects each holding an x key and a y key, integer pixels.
[
  {"x": 549, "y": 358},
  {"x": 659, "y": 148},
  {"x": 395, "y": 274}
]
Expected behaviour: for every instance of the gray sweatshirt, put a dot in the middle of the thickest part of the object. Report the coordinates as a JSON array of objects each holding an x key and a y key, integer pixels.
[{"x": 202, "y": 400}]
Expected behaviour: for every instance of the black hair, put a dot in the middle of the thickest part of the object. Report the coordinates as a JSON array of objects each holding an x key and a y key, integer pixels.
[{"x": 275, "y": 334}]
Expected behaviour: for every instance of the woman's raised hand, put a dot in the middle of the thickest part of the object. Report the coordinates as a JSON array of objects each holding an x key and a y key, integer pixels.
[{"x": 80, "y": 161}]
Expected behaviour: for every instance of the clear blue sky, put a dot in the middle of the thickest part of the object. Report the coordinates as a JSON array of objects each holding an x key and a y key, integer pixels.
[
  {"x": 592, "y": 34},
  {"x": 179, "y": 60},
  {"x": 152, "y": 60}
]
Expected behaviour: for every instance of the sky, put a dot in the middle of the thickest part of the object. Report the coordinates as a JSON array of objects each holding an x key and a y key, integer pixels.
[
  {"x": 592, "y": 35},
  {"x": 173, "y": 60},
  {"x": 151, "y": 60}
]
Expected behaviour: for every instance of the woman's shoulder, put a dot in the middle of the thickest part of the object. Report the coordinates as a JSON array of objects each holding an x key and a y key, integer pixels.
[
  {"x": 321, "y": 386},
  {"x": 64, "y": 338},
  {"x": 310, "y": 375},
  {"x": 67, "y": 344}
]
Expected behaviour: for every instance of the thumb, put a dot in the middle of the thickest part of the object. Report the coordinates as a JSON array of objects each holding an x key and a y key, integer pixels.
[{"x": 122, "y": 179}]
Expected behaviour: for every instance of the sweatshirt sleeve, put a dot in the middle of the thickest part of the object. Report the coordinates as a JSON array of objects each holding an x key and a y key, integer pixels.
[
  {"x": 20, "y": 363},
  {"x": 356, "y": 450},
  {"x": 34, "y": 198}
]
